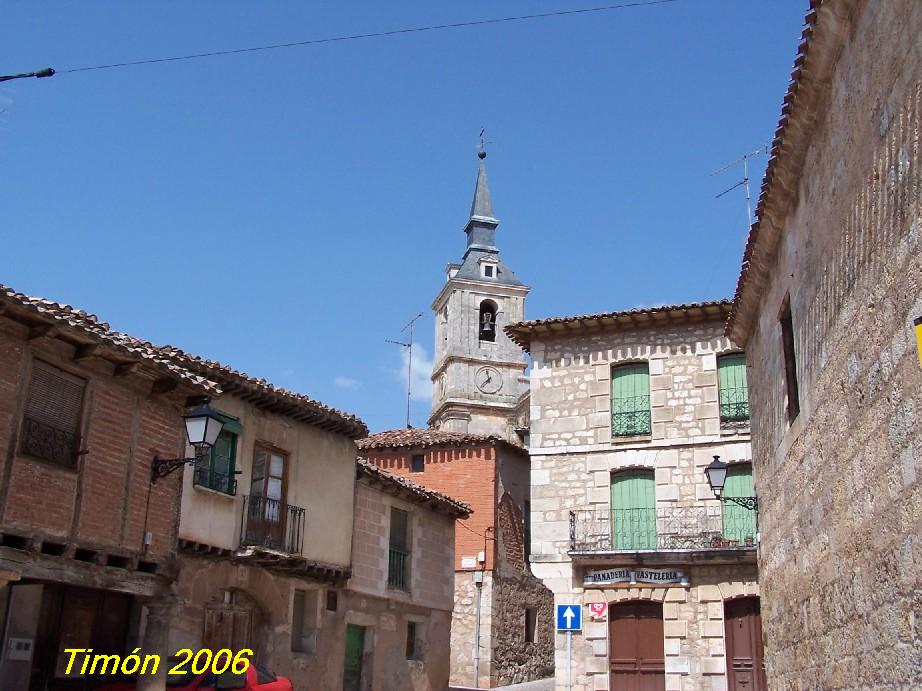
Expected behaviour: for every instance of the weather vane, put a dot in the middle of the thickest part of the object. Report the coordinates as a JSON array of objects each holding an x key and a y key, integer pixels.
[{"x": 482, "y": 146}]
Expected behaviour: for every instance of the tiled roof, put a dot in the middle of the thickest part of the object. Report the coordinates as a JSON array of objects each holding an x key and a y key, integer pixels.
[
  {"x": 269, "y": 396},
  {"x": 422, "y": 438},
  {"x": 640, "y": 317},
  {"x": 799, "y": 85},
  {"x": 86, "y": 329},
  {"x": 212, "y": 377},
  {"x": 453, "y": 506}
]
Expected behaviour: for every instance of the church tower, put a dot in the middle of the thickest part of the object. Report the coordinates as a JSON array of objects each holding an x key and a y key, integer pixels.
[{"x": 477, "y": 375}]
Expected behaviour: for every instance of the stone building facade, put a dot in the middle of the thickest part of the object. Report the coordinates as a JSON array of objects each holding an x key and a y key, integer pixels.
[
  {"x": 87, "y": 538},
  {"x": 512, "y": 638},
  {"x": 478, "y": 373},
  {"x": 399, "y": 600},
  {"x": 627, "y": 409},
  {"x": 830, "y": 287}
]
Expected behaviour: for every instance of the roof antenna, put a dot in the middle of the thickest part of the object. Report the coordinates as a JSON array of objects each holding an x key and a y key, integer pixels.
[
  {"x": 409, "y": 346},
  {"x": 744, "y": 159}
]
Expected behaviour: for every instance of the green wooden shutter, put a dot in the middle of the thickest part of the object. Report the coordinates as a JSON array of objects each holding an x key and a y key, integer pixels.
[
  {"x": 734, "y": 390},
  {"x": 739, "y": 522},
  {"x": 630, "y": 399},
  {"x": 633, "y": 510}
]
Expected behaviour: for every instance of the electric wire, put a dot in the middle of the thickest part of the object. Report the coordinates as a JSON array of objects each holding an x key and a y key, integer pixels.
[{"x": 376, "y": 34}]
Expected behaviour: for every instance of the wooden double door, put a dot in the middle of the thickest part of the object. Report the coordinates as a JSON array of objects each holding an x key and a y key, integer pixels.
[
  {"x": 743, "y": 631},
  {"x": 637, "y": 656}
]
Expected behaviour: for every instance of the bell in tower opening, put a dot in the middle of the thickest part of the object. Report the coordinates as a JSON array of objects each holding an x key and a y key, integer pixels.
[{"x": 488, "y": 321}]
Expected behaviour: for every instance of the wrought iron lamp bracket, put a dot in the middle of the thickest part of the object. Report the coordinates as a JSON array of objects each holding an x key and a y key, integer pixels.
[
  {"x": 751, "y": 503},
  {"x": 161, "y": 467}
]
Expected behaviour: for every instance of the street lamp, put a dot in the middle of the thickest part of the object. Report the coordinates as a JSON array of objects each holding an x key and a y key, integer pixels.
[
  {"x": 203, "y": 425},
  {"x": 716, "y": 473},
  {"x": 47, "y": 72}
]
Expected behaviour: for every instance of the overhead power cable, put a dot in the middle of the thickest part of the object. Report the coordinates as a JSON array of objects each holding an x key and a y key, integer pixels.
[{"x": 376, "y": 34}]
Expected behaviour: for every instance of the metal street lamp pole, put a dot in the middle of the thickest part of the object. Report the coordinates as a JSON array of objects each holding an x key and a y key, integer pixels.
[{"x": 47, "y": 72}]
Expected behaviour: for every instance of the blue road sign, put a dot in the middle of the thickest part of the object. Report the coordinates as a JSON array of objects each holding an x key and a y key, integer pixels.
[{"x": 569, "y": 618}]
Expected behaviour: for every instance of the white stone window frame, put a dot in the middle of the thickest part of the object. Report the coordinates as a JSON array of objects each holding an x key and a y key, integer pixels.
[{"x": 493, "y": 266}]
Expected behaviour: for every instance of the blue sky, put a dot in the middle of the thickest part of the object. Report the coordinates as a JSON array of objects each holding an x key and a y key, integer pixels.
[{"x": 286, "y": 211}]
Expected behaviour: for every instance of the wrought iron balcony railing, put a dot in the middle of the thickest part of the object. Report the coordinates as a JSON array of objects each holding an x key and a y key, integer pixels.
[
  {"x": 630, "y": 416},
  {"x": 398, "y": 569},
  {"x": 272, "y": 524},
  {"x": 42, "y": 440},
  {"x": 680, "y": 528}
]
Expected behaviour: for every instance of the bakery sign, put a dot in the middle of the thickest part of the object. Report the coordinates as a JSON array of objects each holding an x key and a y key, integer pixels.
[{"x": 612, "y": 576}]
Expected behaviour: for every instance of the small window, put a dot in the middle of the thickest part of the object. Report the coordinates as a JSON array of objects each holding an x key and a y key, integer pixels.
[
  {"x": 398, "y": 561},
  {"x": 417, "y": 463},
  {"x": 332, "y": 601},
  {"x": 790, "y": 362},
  {"x": 487, "y": 321},
  {"x": 216, "y": 469},
  {"x": 488, "y": 270},
  {"x": 414, "y": 645},
  {"x": 304, "y": 622},
  {"x": 732, "y": 388},
  {"x": 531, "y": 621},
  {"x": 51, "y": 421},
  {"x": 630, "y": 400}
]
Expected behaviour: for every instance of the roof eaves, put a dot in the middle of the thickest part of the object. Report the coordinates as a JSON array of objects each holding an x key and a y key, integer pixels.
[{"x": 820, "y": 43}]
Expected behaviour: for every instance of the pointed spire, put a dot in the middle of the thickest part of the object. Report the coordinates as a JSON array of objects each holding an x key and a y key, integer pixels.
[{"x": 482, "y": 206}]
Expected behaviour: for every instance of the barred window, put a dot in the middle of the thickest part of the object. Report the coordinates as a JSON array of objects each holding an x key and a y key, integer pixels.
[
  {"x": 733, "y": 389},
  {"x": 51, "y": 421},
  {"x": 630, "y": 399}
]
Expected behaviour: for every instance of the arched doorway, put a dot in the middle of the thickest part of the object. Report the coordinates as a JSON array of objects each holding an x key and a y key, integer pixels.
[
  {"x": 743, "y": 631},
  {"x": 637, "y": 658}
]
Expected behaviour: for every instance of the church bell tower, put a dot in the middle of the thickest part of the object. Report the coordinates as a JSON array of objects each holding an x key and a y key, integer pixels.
[{"x": 477, "y": 375}]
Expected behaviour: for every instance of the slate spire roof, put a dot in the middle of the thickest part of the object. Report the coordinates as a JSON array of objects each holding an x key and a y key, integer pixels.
[
  {"x": 481, "y": 236},
  {"x": 482, "y": 205}
]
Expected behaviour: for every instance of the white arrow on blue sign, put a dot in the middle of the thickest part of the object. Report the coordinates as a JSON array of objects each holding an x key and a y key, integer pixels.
[{"x": 569, "y": 618}]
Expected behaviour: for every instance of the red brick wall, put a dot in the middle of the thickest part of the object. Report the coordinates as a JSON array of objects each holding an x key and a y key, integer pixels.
[
  {"x": 467, "y": 474},
  {"x": 101, "y": 504}
]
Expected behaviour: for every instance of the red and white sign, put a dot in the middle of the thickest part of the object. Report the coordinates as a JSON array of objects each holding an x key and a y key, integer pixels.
[{"x": 597, "y": 610}]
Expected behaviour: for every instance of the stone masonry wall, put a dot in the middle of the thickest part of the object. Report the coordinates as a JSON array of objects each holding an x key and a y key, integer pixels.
[
  {"x": 842, "y": 522},
  {"x": 574, "y": 456}
]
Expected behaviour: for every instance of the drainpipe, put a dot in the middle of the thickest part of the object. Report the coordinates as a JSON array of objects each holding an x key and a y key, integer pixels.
[{"x": 478, "y": 582}]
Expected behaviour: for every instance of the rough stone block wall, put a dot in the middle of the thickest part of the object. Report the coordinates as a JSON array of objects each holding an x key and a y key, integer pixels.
[
  {"x": 514, "y": 659},
  {"x": 432, "y": 549},
  {"x": 842, "y": 512}
]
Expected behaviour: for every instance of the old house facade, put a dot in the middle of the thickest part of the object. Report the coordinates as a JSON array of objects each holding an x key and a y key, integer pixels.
[
  {"x": 265, "y": 530},
  {"x": 627, "y": 409},
  {"x": 398, "y": 604},
  {"x": 501, "y": 620},
  {"x": 825, "y": 304},
  {"x": 87, "y": 538}
]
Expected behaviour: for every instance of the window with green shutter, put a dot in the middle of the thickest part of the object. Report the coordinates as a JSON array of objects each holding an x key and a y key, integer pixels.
[
  {"x": 630, "y": 399},
  {"x": 733, "y": 389},
  {"x": 739, "y": 522},
  {"x": 633, "y": 510},
  {"x": 217, "y": 469}
]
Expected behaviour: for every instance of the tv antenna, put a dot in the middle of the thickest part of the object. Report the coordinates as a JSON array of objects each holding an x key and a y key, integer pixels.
[
  {"x": 409, "y": 346},
  {"x": 744, "y": 159}
]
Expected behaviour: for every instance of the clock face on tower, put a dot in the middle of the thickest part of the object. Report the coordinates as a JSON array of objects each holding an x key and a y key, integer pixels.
[{"x": 488, "y": 379}]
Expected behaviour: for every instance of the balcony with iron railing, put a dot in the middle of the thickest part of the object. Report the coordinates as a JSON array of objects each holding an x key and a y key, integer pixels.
[
  {"x": 398, "y": 569},
  {"x": 698, "y": 529},
  {"x": 272, "y": 525}
]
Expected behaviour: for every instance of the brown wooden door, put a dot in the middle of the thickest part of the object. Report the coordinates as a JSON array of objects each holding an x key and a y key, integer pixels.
[
  {"x": 743, "y": 629},
  {"x": 635, "y": 634}
]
